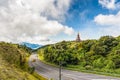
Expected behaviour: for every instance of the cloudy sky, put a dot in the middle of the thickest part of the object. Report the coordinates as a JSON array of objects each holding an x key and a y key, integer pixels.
[{"x": 49, "y": 21}]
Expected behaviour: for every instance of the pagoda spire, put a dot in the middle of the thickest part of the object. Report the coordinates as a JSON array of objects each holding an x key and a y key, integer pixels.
[{"x": 78, "y": 38}]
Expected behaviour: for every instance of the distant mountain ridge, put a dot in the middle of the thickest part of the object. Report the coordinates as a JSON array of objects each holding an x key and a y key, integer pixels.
[{"x": 31, "y": 45}]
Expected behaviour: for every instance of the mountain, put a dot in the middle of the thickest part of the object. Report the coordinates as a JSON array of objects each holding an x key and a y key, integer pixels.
[{"x": 31, "y": 45}]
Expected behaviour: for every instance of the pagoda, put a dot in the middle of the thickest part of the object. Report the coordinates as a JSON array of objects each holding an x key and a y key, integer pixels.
[{"x": 78, "y": 38}]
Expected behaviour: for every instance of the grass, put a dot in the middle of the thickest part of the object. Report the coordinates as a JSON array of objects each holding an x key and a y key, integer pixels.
[
  {"x": 10, "y": 69},
  {"x": 94, "y": 71},
  {"x": 9, "y": 72},
  {"x": 39, "y": 76}
]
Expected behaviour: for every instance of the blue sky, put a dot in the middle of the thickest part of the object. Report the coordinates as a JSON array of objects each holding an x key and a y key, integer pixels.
[
  {"x": 50, "y": 21},
  {"x": 83, "y": 11},
  {"x": 82, "y": 14}
]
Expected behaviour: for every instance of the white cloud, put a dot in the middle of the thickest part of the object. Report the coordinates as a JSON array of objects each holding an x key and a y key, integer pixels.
[
  {"x": 55, "y": 9},
  {"x": 112, "y": 30},
  {"x": 68, "y": 30},
  {"x": 23, "y": 20},
  {"x": 110, "y": 23},
  {"x": 109, "y": 4},
  {"x": 113, "y": 20}
]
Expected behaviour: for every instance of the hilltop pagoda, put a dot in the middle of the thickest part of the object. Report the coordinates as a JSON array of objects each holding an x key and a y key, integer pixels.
[{"x": 78, "y": 38}]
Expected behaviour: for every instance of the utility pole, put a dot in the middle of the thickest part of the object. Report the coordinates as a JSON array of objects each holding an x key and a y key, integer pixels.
[{"x": 60, "y": 70}]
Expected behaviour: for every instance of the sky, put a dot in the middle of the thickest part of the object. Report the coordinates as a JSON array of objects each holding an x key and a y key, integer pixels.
[{"x": 51, "y": 21}]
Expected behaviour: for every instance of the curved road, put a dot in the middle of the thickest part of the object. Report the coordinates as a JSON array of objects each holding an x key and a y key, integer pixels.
[{"x": 53, "y": 72}]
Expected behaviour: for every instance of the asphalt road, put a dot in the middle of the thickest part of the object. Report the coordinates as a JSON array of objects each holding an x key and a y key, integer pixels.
[{"x": 53, "y": 72}]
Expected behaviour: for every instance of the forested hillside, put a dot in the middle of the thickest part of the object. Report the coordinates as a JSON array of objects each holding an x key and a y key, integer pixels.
[
  {"x": 13, "y": 62},
  {"x": 99, "y": 55}
]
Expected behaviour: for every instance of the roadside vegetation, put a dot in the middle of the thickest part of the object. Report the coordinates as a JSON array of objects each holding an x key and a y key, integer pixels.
[
  {"x": 96, "y": 56},
  {"x": 14, "y": 63}
]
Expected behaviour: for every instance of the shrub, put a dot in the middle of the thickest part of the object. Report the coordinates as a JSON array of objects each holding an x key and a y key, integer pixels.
[
  {"x": 83, "y": 64},
  {"x": 31, "y": 70},
  {"x": 99, "y": 63},
  {"x": 109, "y": 64}
]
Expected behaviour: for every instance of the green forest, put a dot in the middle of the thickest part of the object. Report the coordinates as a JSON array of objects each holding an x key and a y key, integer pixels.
[{"x": 101, "y": 55}]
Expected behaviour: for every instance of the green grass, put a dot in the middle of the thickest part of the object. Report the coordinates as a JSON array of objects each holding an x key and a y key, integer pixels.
[
  {"x": 94, "y": 71},
  {"x": 39, "y": 76}
]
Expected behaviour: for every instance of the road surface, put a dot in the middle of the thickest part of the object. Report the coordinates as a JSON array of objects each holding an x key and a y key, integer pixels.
[{"x": 53, "y": 72}]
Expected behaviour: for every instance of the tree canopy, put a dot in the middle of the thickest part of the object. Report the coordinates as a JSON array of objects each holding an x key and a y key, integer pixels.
[{"x": 102, "y": 53}]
